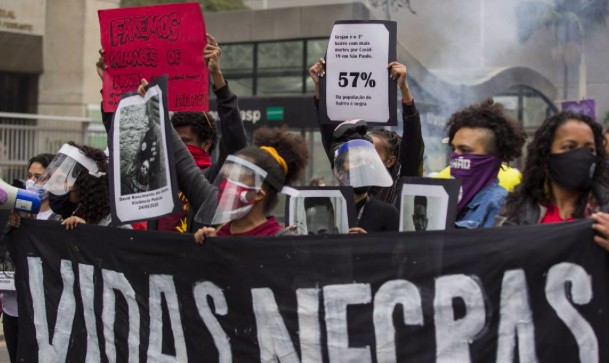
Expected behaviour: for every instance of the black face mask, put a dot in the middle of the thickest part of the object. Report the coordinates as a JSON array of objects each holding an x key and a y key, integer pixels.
[
  {"x": 61, "y": 205},
  {"x": 574, "y": 169},
  {"x": 361, "y": 190}
]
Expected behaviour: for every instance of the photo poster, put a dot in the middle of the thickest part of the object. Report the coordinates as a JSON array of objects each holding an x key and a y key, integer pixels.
[
  {"x": 428, "y": 204},
  {"x": 143, "y": 182},
  {"x": 320, "y": 210},
  {"x": 7, "y": 273},
  {"x": 357, "y": 84},
  {"x": 149, "y": 41}
]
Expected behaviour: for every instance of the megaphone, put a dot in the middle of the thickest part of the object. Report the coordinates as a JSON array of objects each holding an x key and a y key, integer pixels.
[{"x": 22, "y": 200}]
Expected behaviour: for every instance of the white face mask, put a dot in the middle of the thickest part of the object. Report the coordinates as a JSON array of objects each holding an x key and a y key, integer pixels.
[{"x": 30, "y": 185}]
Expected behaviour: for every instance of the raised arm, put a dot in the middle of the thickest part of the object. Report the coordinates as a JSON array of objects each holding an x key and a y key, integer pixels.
[
  {"x": 231, "y": 125},
  {"x": 317, "y": 71},
  {"x": 413, "y": 146}
]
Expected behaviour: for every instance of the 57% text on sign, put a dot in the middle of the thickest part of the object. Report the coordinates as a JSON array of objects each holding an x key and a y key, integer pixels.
[{"x": 343, "y": 79}]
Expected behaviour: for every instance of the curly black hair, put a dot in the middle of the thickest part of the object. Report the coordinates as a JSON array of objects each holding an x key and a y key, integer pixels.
[
  {"x": 290, "y": 146},
  {"x": 391, "y": 142},
  {"x": 535, "y": 174},
  {"x": 203, "y": 125},
  {"x": 93, "y": 192},
  {"x": 509, "y": 136}
]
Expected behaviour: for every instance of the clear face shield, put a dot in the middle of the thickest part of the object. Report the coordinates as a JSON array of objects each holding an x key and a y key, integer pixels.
[
  {"x": 356, "y": 163},
  {"x": 62, "y": 172},
  {"x": 237, "y": 184}
]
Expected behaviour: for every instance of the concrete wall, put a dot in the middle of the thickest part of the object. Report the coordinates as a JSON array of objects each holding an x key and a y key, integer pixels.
[
  {"x": 287, "y": 23},
  {"x": 71, "y": 42}
]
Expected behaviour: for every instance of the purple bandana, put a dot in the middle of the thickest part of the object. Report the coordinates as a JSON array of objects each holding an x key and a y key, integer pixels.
[{"x": 475, "y": 172}]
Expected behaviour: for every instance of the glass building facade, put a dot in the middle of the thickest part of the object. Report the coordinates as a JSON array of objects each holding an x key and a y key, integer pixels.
[{"x": 278, "y": 70}]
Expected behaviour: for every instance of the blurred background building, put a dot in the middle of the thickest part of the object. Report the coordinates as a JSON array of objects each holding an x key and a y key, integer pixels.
[{"x": 457, "y": 52}]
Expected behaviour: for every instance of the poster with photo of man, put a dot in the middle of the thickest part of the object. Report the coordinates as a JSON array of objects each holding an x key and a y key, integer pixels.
[
  {"x": 143, "y": 178},
  {"x": 428, "y": 204},
  {"x": 321, "y": 210}
]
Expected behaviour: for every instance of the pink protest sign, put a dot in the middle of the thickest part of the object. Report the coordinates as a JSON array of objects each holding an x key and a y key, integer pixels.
[{"x": 149, "y": 41}]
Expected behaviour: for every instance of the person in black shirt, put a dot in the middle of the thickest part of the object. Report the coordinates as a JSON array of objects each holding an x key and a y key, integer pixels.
[
  {"x": 401, "y": 155},
  {"x": 357, "y": 164}
]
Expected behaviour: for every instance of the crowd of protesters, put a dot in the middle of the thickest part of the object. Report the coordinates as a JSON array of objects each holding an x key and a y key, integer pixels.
[{"x": 565, "y": 174}]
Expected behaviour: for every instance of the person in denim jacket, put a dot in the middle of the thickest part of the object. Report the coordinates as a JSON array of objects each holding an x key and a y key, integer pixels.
[{"x": 481, "y": 137}]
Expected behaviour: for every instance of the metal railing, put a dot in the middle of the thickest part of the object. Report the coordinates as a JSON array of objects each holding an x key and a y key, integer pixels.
[{"x": 23, "y": 136}]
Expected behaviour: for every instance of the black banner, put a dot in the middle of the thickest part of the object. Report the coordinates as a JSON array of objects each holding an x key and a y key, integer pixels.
[{"x": 527, "y": 294}]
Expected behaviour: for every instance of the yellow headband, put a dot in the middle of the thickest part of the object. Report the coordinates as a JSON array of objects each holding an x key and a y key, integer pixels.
[{"x": 273, "y": 152}]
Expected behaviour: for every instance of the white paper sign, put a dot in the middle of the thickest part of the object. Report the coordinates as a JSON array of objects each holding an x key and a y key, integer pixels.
[
  {"x": 7, "y": 280},
  {"x": 141, "y": 176},
  {"x": 357, "y": 80}
]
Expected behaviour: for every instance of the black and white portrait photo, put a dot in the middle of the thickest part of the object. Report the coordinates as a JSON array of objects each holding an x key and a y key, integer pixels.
[
  {"x": 427, "y": 204},
  {"x": 143, "y": 159},
  {"x": 320, "y": 210},
  {"x": 142, "y": 173}
]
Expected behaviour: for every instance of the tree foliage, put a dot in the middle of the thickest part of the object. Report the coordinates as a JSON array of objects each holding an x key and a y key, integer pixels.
[
  {"x": 206, "y": 5},
  {"x": 394, "y": 4},
  {"x": 570, "y": 20}
]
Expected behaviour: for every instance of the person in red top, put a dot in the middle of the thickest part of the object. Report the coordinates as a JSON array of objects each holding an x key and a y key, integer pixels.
[
  {"x": 198, "y": 132},
  {"x": 564, "y": 177},
  {"x": 248, "y": 184}
]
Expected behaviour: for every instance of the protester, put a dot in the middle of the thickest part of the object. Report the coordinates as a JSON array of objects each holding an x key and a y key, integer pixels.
[
  {"x": 8, "y": 299},
  {"x": 563, "y": 177},
  {"x": 357, "y": 164},
  {"x": 402, "y": 156},
  {"x": 482, "y": 137},
  {"x": 77, "y": 182},
  {"x": 508, "y": 177},
  {"x": 198, "y": 132},
  {"x": 248, "y": 185}
]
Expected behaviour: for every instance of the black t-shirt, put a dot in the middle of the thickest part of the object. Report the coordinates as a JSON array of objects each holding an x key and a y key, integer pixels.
[{"x": 377, "y": 216}]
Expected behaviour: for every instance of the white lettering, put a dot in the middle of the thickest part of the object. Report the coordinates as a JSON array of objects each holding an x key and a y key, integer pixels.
[
  {"x": 57, "y": 350},
  {"x": 390, "y": 294},
  {"x": 336, "y": 300},
  {"x": 87, "y": 292},
  {"x": 201, "y": 292},
  {"x": 454, "y": 336},
  {"x": 515, "y": 320},
  {"x": 116, "y": 281},
  {"x": 309, "y": 331},
  {"x": 162, "y": 285},
  {"x": 273, "y": 337},
  {"x": 581, "y": 293}
]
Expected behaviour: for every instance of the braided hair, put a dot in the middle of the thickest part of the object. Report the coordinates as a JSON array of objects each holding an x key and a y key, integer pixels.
[{"x": 391, "y": 142}]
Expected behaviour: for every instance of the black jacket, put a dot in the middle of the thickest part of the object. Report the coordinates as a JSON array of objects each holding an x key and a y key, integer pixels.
[
  {"x": 191, "y": 181},
  {"x": 532, "y": 213}
]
